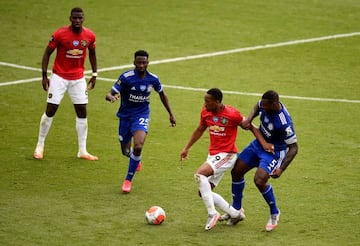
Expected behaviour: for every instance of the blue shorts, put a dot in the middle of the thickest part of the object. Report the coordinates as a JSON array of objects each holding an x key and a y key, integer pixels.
[
  {"x": 127, "y": 127},
  {"x": 255, "y": 156}
]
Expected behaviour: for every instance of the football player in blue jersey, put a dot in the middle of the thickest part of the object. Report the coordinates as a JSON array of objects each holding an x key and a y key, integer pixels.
[
  {"x": 277, "y": 128},
  {"x": 133, "y": 88}
]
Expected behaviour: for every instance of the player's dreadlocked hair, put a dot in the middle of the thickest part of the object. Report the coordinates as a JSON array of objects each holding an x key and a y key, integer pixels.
[
  {"x": 271, "y": 96},
  {"x": 215, "y": 93}
]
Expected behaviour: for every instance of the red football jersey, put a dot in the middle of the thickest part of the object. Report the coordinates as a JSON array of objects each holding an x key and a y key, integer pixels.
[
  {"x": 222, "y": 129},
  {"x": 71, "y": 51}
]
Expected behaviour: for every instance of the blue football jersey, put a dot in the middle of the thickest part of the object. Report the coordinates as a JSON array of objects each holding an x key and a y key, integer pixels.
[
  {"x": 135, "y": 92},
  {"x": 277, "y": 128}
]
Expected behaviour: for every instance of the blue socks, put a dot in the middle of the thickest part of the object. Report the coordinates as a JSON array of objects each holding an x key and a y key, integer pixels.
[
  {"x": 133, "y": 164},
  {"x": 237, "y": 189},
  {"x": 269, "y": 197}
]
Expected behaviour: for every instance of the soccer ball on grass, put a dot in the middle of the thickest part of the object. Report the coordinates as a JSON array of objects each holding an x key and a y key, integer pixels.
[{"x": 155, "y": 215}]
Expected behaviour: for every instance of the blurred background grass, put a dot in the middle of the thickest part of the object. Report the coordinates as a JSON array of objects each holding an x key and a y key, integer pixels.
[{"x": 65, "y": 201}]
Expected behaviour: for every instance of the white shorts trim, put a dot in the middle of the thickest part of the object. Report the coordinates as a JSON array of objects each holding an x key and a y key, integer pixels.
[
  {"x": 220, "y": 163},
  {"x": 77, "y": 90}
]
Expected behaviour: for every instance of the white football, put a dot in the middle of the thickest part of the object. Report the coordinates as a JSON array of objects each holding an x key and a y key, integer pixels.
[{"x": 155, "y": 215}]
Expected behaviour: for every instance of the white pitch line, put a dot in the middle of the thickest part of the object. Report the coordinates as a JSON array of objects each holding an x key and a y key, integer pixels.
[
  {"x": 20, "y": 81},
  {"x": 218, "y": 53},
  {"x": 6, "y": 64},
  {"x": 259, "y": 95},
  {"x": 204, "y": 90},
  {"x": 238, "y": 50}
]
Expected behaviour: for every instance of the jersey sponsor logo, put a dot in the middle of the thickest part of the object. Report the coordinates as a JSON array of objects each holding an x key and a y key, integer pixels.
[
  {"x": 76, "y": 43},
  {"x": 138, "y": 99},
  {"x": 74, "y": 53},
  {"x": 133, "y": 88},
  {"x": 217, "y": 130}
]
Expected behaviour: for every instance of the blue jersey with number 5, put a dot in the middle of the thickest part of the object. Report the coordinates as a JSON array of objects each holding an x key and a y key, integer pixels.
[{"x": 135, "y": 93}]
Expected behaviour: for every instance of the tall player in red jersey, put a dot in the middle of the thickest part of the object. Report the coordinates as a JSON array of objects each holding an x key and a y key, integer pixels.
[
  {"x": 222, "y": 121},
  {"x": 71, "y": 43}
]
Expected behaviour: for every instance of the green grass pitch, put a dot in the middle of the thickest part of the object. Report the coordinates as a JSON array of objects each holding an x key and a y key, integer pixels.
[{"x": 65, "y": 201}]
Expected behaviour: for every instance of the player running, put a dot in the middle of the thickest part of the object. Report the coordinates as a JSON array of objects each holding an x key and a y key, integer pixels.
[{"x": 134, "y": 88}]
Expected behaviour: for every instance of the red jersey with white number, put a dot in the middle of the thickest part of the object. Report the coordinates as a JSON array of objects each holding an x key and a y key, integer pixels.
[
  {"x": 71, "y": 51},
  {"x": 222, "y": 129}
]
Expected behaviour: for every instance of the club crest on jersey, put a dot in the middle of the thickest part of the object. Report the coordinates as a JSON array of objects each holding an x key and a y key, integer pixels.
[
  {"x": 142, "y": 87},
  {"x": 215, "y": 119},
  {"x": 224, "y": 121},
  {"x": 83, "y": 43},
  {"x": 149, "y": 88},
  {"x": 270, "y": 126},
  {"x": 76, "y": 43}
]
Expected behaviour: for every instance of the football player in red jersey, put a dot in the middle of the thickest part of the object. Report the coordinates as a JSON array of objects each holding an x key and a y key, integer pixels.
[
  {"x": 222, "y": 122},
  {"x": 71, "y": 44}
]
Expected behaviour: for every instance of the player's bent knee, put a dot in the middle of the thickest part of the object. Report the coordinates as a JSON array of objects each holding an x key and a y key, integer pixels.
[
  {"x": 260, "y": 183},
  {"x": 199, "y": 178}
]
